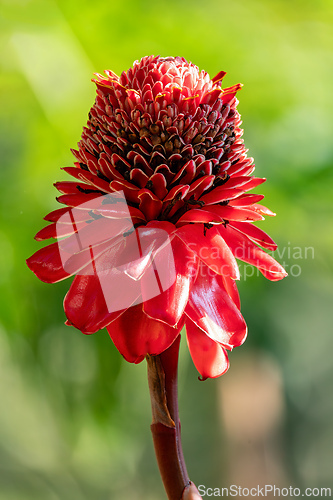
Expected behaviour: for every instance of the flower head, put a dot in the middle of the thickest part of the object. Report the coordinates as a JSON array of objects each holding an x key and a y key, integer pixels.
[{"x": 160, "y": 165}]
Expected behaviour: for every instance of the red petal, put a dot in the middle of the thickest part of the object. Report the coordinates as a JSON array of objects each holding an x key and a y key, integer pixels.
[
  {"x": 118, "y": 161},
  {"x": 73, "y": 200},
  {"x": 210, "y": 248},
  {"x": 253, "y": 183},
  {"x": 165, "y": 171},
  {"x": 72, "y": 187},
  {"x": 230, "y": 92},
  {"x": 90, "y": 178},
  {"x": 74, "y": 171},
  {"x": 236, "y": 181},
  {"x": 149, "y": 205},
  {"x": 273, "y": 276},
  {"x": 200, "y": 216},
  {"x": 260, "y": 209},
  {"x": 245, "y": 249},
  {"x": 169, "y": 305},
  {"x": 130, "y": 191},
  {"x": 59, "y": 230},
  {"x": 241, "y": 165},
  {"x": 234, "y": 213},
  {"x": 159, "y": 185},
  {"x": 47, "y": 265},
  {"x": 179, "y": 191},
  {"x": 256, "y": 234},
  {"x": 108, "y": 168},
  {"x": 220, "y": 194},
  {"x": 139, "y": 161},
  {"x": 56, "y": 214},
  {"x": 205, "y": 168},
  {"x": 48, "y": 232},
  {"x": 139, "y": 177},
  {"x": 212, "y": 310},
  {"x": 186, "y": 173},
  {"x": 246, "y": 199},
  {"x": 211, "y": 96},
  {"x": 247, "y": 169},
  {"x": 135, "y": 334},
  {"x": 174, "y": 209},
  {"x": 199, "y": 186},
  {"x": 230, "y": 286},
  {"x": 219, "y": 77},
  {"x": 85, "y": 305},
  {"x": 209, "y": 357}
]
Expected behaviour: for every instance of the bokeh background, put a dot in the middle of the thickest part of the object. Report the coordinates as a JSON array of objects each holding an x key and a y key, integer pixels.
[{"x": 74, "y": 417}]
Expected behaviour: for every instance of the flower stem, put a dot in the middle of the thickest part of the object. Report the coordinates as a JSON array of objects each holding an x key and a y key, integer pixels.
[{"x": 165, "y": 427}]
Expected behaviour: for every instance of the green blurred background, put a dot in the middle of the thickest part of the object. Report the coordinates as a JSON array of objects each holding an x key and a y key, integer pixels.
[{"x": 74, "y": 417}]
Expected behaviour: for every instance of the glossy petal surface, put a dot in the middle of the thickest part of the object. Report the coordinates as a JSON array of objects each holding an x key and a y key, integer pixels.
[
  {"x": 169, "y": 305},
  {"x": 47, "y": 265},
  {"x": 211, "y": 248},
  {"x": 245, "y": 249},
  {"x": 135, "y": 334},
  {"x": 85, "y": 305},
  {"x": 209, "y": 357},
  {"x": 212, "y": 309}
]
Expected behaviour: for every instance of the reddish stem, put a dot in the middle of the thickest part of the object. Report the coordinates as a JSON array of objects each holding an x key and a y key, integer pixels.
[{"x": 162, "y": 379}]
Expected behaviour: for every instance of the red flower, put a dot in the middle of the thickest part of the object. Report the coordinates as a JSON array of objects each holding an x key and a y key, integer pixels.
[{"x": 168, "y": 137}]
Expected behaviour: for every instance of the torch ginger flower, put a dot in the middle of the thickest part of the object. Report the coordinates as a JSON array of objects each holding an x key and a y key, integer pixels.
[
  {"x": 168, "y": 138},
  {"x": 151, "y": 228}
]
